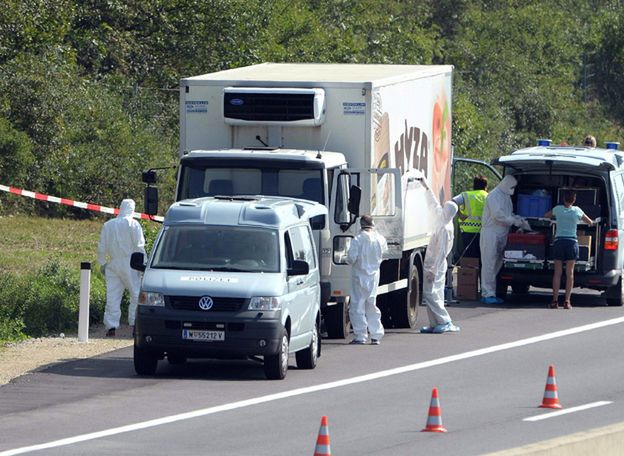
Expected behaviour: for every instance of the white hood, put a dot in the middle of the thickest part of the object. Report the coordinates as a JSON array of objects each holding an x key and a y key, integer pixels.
[
  {"x": 126, "y": 209},
  {"x": 508, "y": 185}
]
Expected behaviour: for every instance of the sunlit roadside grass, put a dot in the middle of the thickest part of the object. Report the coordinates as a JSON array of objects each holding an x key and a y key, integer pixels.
[{"x": 28, "y": 243}]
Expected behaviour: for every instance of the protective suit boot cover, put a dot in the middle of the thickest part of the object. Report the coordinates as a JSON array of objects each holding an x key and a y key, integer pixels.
[{"x": 447, "y": 327}]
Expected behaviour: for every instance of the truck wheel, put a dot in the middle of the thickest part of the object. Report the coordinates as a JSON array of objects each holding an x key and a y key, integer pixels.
[
  {"x": 405, "y": 309},
  {"x": 520, "y": 288},
  {"x": 276, "y": 366},
  {"x": 337, "y": 321},
  {"x": 614, "y": 294},
  {"x": 145, "y": 362},
  {"x": 306, "y": 359}
]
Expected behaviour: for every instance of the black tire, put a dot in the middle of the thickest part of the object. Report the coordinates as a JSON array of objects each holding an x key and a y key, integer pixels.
[
  {"x": 405, "y": 309},
  {"x": 276, "y": 366},
  {"x": 614, "y": 295},
  {"x": 336, "y": 319},
  {"x": 145, "y": 362},
  {"x": 175, "y": 359},
  {"x": 306, "y": 359},
  {"x": 520, "y": 288}
]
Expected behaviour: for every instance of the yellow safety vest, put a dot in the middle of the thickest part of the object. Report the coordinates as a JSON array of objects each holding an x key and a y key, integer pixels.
[{"x": 472, "y": 208}]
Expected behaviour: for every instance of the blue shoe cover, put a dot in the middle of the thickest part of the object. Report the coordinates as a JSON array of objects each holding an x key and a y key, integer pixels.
[
  {"x": 491, "y": 300},
  {"x": 447, "y": 327},
  {"x": 426, "y": 330}
]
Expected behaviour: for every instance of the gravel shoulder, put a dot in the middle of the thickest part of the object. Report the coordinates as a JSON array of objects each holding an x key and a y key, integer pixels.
[{"x": 36, "y": 354}]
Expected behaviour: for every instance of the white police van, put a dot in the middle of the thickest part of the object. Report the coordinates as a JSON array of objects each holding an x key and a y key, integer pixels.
[
  {"x": 544, "y": 173},
  {"x": 231, "y": 278}
]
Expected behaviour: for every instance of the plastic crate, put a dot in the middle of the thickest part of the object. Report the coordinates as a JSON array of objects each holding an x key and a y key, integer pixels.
[{"x": 533, "y": 205}]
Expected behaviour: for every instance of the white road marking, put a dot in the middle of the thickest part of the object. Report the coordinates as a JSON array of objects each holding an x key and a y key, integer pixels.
[
  {"x": 568, "y": 410},
  {"x": 311, "y": 389}
]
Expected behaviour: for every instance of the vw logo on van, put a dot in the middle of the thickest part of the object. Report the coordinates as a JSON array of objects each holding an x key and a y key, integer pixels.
[{"x": 205, "y": 303}]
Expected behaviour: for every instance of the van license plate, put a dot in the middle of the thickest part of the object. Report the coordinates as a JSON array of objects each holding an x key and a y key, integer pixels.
[{"x": 194, "y": 334}]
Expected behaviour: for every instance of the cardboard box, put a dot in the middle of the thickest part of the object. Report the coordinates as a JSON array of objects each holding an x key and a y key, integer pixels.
[
  {"x": 585, "y": 241},
  {"x": 467, "y": 292},
  {"x": 467, "y": 283},
  {"x": 467, "y": 262}
]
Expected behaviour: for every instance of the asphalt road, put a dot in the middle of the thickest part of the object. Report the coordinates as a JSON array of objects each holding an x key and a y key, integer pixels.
[{"x": 491, "y": 378}]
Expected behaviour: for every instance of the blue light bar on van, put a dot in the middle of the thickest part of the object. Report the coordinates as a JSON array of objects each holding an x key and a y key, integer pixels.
[
  {"x": 544, "y": 142},
  {"x": 613, "y": 145}
]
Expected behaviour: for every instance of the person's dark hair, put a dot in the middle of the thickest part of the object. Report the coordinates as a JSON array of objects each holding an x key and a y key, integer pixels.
[
  {"x": 366, "y": 221},
  {"x": 479, "y": 183},
  {"x": 569, "y": 196}
]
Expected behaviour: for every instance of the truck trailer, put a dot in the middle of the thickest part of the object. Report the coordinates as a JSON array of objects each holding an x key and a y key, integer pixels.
[{"x": 357, "y": 138}]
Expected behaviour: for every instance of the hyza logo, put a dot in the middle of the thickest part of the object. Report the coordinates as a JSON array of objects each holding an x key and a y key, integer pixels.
[{"x": 205, "y": 303}]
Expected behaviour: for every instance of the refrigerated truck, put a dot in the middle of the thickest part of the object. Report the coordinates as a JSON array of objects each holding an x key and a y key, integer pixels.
[{"x": 357, "y": 138}]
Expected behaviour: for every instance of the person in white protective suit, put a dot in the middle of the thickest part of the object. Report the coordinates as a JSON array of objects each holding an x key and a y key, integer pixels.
[
  {"x": 435, "y": 266},
  {"x": 496, "y": 220},
  {"x": 119, "y": 239},
  {"x": 365, "y": 255}
]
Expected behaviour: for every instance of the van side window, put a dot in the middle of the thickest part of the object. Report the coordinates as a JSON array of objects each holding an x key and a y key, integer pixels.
[{"x": 302, "y": 245}]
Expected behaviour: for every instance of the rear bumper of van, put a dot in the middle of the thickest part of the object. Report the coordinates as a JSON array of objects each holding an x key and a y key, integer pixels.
[
  {"x": 160, "y": 330},
  {"x": 543, "y": 279}
]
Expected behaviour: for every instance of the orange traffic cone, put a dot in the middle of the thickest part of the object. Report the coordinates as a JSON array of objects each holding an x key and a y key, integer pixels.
[
  {"x": 434, "y": 419},
  {"x": 322, "y": 441},
  {"x": 550, "y": 393}
]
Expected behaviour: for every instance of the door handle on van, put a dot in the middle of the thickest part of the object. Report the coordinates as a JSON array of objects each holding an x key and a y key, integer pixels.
[{"x": 299, "y": 282}]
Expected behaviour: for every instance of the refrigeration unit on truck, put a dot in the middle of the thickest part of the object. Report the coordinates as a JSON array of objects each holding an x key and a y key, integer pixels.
[{"x": 356, "y": 138}]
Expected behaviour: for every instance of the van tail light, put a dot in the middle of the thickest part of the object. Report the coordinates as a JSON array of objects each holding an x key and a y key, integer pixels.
[{"x": 611, "y": 240}]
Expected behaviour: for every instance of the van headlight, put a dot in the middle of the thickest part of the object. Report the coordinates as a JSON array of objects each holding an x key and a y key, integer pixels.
[
  {"x": 148, "y": 298},
  {"x": 265, "y": 303}
]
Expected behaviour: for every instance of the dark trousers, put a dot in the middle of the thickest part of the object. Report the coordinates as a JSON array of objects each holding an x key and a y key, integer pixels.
[{"x": 471, "y": 241}]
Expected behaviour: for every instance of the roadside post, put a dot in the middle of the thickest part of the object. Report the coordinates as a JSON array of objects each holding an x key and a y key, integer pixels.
[{"x": 85, "y": 292}]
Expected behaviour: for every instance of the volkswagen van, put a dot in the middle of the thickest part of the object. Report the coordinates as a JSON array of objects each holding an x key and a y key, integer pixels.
[
  {"x": 231, "y": 278},
  {"x": 544, "y": 173}
]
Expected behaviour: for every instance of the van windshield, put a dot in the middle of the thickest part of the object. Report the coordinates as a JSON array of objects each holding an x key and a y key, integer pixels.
[
  {"x": 217, "y": 248},
  {"x": 201, "y": 181}
]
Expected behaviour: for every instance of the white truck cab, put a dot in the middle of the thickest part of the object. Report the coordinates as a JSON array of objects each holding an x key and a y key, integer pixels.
[{"x": 231, "y": 277}]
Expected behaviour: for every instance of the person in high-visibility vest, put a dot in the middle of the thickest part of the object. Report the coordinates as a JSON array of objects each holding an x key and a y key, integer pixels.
[{"x": 471, "y": 204}]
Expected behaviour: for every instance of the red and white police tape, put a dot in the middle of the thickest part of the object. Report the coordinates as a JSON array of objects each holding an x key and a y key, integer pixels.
[{"x": 68, "y": 202}]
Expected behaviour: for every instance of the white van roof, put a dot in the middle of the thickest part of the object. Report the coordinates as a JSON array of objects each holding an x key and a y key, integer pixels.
[
  {"x": 563, "y": 155},
  {"x": 272, "y": 212}
]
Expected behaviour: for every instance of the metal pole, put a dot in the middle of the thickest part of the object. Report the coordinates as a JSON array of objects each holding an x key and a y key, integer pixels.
[{"x": 85, "y": 292}]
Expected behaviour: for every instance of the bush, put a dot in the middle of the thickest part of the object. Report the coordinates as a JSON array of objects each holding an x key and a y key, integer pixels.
[
  {"x": 47, "y": 302},
  {"x": 11, "y": 322}
]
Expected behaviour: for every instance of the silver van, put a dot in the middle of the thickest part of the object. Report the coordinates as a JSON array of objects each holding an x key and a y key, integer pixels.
[{"x": 231, "y": 278}]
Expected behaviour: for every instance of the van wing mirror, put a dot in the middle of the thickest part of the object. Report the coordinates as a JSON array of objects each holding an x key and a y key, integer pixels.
[
  {"x": 137, "y": 261},
  {"x": 299, "y": 267},
  {"x": 151, "y": 200},
  {"x": 355, "y": 195}
]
